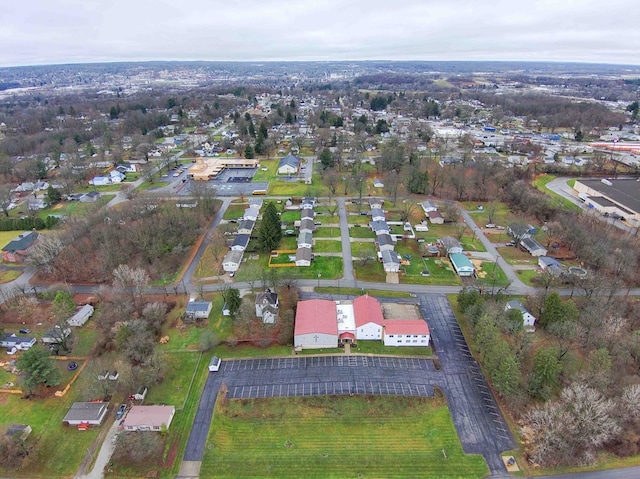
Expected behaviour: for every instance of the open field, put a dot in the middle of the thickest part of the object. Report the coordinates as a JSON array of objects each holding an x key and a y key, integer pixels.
[
  {"x": 75, "y": 208},
  {"x": 561, "y": 201},
  {"x": 336, "y": 437},
  {"x": 378, "y": 347}
]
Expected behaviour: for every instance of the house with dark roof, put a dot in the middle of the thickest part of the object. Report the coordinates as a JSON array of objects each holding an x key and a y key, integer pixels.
[
  {"x": 245, "y": 227},
  {"x": 267, "y": 306},
  {"x": 90, "y": 413},
  {"x": 377, "y": 214},
  {"x": 529, "y": 320},
  {"x": 17, "y": 249},
  {"x": 375, "y": 203},
  {"x": 550, "y": 265},
  {"x": 306, "y": 226},
  {"x": 379, "y": 227},
  {"x": 305, "y": 240},
  {"x": 240, "y": 242},
  {"x": 451, "y": 244},
  {"x": 198, "y": 309},
  {"x": 307, "y": 213},
  {"x": 533, "y": 247},
  {"x": 307, "y": 202},
  {"x": 303, "y": 257},
  {"x": 435, "y": 217},
  {"x": 384, "y": 242},
  {"x": 289, "y": 165},
  {"x": 11, "y": 341}
]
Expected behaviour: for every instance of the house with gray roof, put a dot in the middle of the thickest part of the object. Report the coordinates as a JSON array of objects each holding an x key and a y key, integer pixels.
[
  {"x": 303, "y": 257},
  {"x": 533, "y": 247},
  {"x": 305, "y": 240},
  {"x": 385, "y": 241},
  {"x": 240, "y": 242},
  {"x": 289, "y": 165},
  {"x": 17, "y": 249},
  {"x": 390, "y": 261},
  {"x": 91, "y": 413}
]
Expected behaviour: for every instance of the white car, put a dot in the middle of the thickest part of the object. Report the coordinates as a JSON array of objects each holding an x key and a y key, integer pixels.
[{"x": 214, "y": 364}]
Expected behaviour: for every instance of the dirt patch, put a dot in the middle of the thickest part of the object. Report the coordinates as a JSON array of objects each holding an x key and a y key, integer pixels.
[{"x": 400, "y": 311}]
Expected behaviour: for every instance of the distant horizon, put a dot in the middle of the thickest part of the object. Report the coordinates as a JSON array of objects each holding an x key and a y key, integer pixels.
[{"x": 274, "y": 61}]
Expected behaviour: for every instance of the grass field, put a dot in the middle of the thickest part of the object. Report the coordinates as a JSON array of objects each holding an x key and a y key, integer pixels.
[
  {"x": 561, "y": 201},
  {"x": 327, "y": 246},
  {"x": 336, "y": 437},
  {"x": 327, "y": 232},
  {"x": 75, "y": 208},
  {"x": 357, "y": 292},
  {"x": 377, "y": 347},
  {"x": 361, "y": 232},
  {"x": 233, "y": 212}
]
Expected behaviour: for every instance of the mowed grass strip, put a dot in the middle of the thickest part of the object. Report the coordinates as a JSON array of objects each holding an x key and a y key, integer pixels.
[{"x": 336, "y": 437}]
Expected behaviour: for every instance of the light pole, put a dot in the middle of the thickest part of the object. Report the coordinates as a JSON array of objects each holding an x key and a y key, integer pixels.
[{"x": 319, "y": 274}]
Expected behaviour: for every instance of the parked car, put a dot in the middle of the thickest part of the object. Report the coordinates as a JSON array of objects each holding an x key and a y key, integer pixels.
[
  {"x": 121, "y": 410},
  {"x": 25, "y": 331},
  {"x": 490, "y": 225}
]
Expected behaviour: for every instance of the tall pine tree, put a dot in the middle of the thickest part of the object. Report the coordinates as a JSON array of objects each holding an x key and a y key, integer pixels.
[{"x": 270, "y": 230}]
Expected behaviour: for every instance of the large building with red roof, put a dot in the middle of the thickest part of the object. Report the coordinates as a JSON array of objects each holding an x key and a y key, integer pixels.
[
  {"x": 321, "y": 323},
  {"x": 316, "y": 324}
]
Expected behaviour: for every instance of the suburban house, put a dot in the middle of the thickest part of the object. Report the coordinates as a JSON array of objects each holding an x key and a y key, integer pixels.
[
  {"x": 231, "y": 261},
  {"x": 533, "y": 247},
  {"x": 421, "y": 227},
  {"x": 257, "y": 202},
  {"x": 435, "y": 217},
  {"x": 245, "y": 227},
  {"x": 368, "y": 318},
  {"x": 81, "y": 316},
  {"x": 377, "y": 214},
  {"x": 198, "y": 309},
  {"x": 90, "y": 197},
  {"x": 528, "y": 319},
  {"x": 306, "y": 226},
  {"x": 305, "y": 240},
  {"x": 11, "y": 341},
  {"x": 461, "y": 264},
  {"x": 148, "y": 418},
  {"x": 303, "y": 257},
  {"x": 307, "y": 202},
  {"x": 289, "y": 165},
  {"x": 251, "y": 213},
  {"x": 17, "y": 249},
  {"x": 267, "y": 306},
  {"x": 240, "y": 242},
  {"x": 390, "y": 261},
  {"x": 316, "y": 324},
  {"x": 427, "y": 206},
  {"x": 406, "y": 332},
  {"x": 89, "y": 413},
  {"x": 307, "y": 213},
  {"x": 100, "y": 181},
  {"x": 550, "y": 265},
  {"x": 451, "y": 244},
  {"x": 55, "y": 335},
  {"x": 384, "y": 242},
  {"x": 379, "y": 227},
  {"x": 375, "y": 203},
  {"x": 519, "y": 231}
]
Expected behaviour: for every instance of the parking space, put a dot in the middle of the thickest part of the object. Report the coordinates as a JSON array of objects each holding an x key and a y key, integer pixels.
[
  {"x": 310, "y": 362},
  {"x": 340, "y": 388}
]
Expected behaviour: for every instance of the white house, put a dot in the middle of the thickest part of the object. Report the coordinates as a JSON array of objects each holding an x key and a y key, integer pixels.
[
  {"x": 245, "y": 227},
  {"x": 550, "y": 265},
  {"x": 11, "y": 341},
  {"x": 379, "y": 227},
  {"x": 427, "y": 206},
  {"x": 451, "y": 244},
  {"x": 305, "y": 240},
  {"x": 198, "y": 309},
  {"x": 307, "y": 213},
  {"x": 406, "y": 332},
  {"x": 240, "y": 242},
  {"x": 116, "y": 176},
  {"x": 267, "y": 306},
  {"x": 533, "y": 247},
  {"x": 529, "y": 320},
  {"x": 81, "y": 316},
  {"x": 306, "y": 226},
  {"x": 148, "y": 418},
  {"x": 385, "y": 242},
  {"x": 377, "y": 214},
  {"x": 231, "y": 261},
  {"x": 100, "y": 181},
  {"x": 86, "y": 413},
  {"x": 289, "y": 165},
  {"x": 303, "y": 257},
  {"x": 422, "y": 227},
  {"x": 435, "y": 217},
  {"x": 368, "y": 318},
  {"x": 375, "y": 203},
  {"x": 307, "y": 202},
  {"x": 251, "y": 213},
  {"x": 390, "y": 261},
  {"x": 461, "y": 264}
]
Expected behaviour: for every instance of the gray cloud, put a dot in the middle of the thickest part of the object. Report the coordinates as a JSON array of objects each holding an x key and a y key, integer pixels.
[{"x": 61, "y": 31}]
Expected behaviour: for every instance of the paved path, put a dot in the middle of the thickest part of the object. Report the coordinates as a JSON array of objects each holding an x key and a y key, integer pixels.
[
  {"x": 108, "y": 445},
  {"x": 347, "y": 259}
]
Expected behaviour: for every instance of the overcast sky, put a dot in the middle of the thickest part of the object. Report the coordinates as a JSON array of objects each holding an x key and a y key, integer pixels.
[{"x": 70, "y": 31}]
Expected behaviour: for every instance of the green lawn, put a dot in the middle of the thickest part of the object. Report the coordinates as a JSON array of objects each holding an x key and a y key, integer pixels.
[
  {"x": 357, "y": 292},
  {"x": 360, "y": 232},
  {"x": 378, "y": 347},
  {"x": 234, "y": 212},
  {"x": 561, "y": 201},
  {"x": 327, "y": 246},
  {"x": 290, "y": 216},
  {"x": 493, "y": 274},
  {"x": 361, "y": 249},
  {"x": 372, "y": 271},
  {"x": 181, "y": 366},
  {"x": 297, "y": 188},
  {"x": 75, "y": 208},
  {"x": 358, "y": 219},
  {"x": 327, "y": 232},
  {"x": 527, "y": 275},
  {"x": 336, "y": 437}
]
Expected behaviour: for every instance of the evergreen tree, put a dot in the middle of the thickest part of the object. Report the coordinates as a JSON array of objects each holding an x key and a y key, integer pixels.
[
  {"x": 270, "y": 230},
  {"x": 249, "y": 153},
  {"x": 38, "y": 369},
  {"x": 326, "y": 159}
]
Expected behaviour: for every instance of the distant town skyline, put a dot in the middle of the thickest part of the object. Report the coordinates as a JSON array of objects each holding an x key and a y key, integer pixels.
[{"x": 40, "y": 32}]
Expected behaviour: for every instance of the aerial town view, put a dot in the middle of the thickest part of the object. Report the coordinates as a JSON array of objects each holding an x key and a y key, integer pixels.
[{"x": 335, "y": 240}]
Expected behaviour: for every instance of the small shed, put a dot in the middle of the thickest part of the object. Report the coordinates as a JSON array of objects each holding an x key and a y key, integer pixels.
[{"x": 21, "y": 431}]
